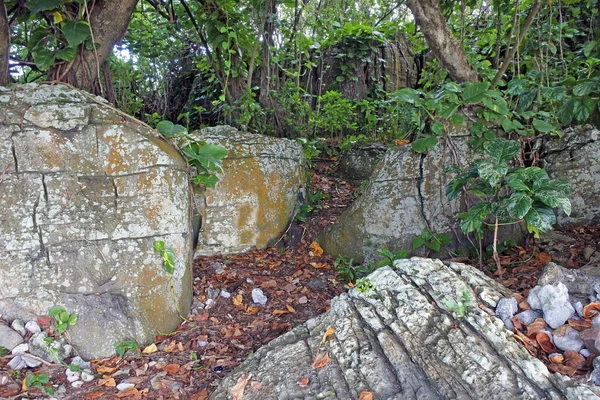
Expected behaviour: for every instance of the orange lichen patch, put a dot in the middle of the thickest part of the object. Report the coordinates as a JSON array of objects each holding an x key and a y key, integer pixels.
[
  {"x": 166, "y": 148},
  {"x": 115, "y": 162}
]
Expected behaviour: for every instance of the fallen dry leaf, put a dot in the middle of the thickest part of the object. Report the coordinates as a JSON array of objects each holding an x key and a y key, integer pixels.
[
  {"x": 401, "y": 142},
  {"x": 255, "y": 386},
  {"x": 557, "y": 358},
  {"x": 573, "y": 359},
  {"x": 104, "y": 370},
  {"x": 201, "y": 317},
  {"x": 365, "y": 396},
  {"x": 170, "y": 347},
  {"x": 303, "y": 382},
  {"x": 150, "y": 349},
  {"x": 579, "y": 324},
  {"x": 330, "y": 331},
  {"x": 316, "y": 250},
  {"x": 237, "y": 300},
  {"x": 44, "y": 320},
  {"x": 562, "y": 369},
  {"x": 93, "y": 395},
  {"x": 252, "y": 310},
  {"x": 543, "y": 258},
  {"x": 279, "y": 312},
  {"x": 321, "y": 360},
  {"x": 172, "y": 368},
  {"x": 237, "y": 391},
  {"x": 108, "y": 382},
  {"x": 535, "y": 327},
  {"x": 129, "y": 392},
  {"x": 545, "y": 342},
  {"x": 591, "y": 310},
  {"x": 290, "y": 308}
]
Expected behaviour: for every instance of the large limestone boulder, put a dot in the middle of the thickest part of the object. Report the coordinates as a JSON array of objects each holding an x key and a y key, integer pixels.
[
  {"x": 263, "y": 183},
  {"x": 404, "y": 340},
  {"x": 405, "y": 195},
  {"x": 576, "y": 158},
  {"x": 84, "y": 194}
]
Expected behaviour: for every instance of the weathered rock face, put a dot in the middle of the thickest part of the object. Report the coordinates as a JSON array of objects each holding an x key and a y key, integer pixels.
[
  {"x": 403, "y": 340},
  {"x": 405, "y": 195},
  {"x": 360, "y": 161},
  {"x": 84, "y": 196},
  {"x": 576, "y": 158},
  {"x": 263, "y": 181}
]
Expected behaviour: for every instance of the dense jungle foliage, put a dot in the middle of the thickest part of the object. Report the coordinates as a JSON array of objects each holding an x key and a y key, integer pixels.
[{"x": 321, "y": 68}]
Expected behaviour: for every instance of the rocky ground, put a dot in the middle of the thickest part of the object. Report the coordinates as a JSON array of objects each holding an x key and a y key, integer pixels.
[{"x": 242, "y": 302}]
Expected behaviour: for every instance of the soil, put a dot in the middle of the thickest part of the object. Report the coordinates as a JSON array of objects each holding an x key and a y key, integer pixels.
[{"x": 225, "y": 325}]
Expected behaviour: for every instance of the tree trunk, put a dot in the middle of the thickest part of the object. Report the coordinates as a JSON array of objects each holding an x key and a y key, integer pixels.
[
  {"x": 4, "y": 45},
  {"x": 108, "y": 21},
  {"x": 443, "y": 44}
]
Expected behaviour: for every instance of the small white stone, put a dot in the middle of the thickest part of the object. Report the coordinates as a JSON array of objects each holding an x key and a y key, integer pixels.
[
  {"x": 225, "y": 294},
  {"x": 80, "y": 362},
  {"x": 87, "y": 375},
  {"x": 17, "y": 363},
  {"x": 77, "y": 384},
  {"x": 258, "y": 296},
  {"x": 72, "y": 376},
  {"x": 202, "y": 343},
  {"x": 20, "y": 349},
  {"x": 17, "y": 325},
  {"x": 33, "y": 327},
  {"x": 151, "y": 363},
  {"x": 30, "y": 361},
  {"x": 124, "y": 385}
]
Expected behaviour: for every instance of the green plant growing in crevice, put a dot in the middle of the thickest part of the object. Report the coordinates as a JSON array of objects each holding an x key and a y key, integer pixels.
[
  {"x": 63, "y": 318},
  {"x": 430, "y": 240},
  {"x": 206, "y": 158},
  {"x": 461, "y": 306},
  {"x": 389, "y": 257},
  {"x": 312, "y": 203},
  {"x": 506, "y": 196},
  {"x": 168, "y": 256},
  {"x": 39, "y": 381},
  {"x": 350, "y": 271},
  {"x": 121, "y": 348},
  {"x": 364, "y": 285}
]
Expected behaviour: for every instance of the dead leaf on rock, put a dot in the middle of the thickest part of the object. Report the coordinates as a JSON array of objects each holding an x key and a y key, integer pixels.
[
  {"x": 401, "y": 142},
  {"x": 237, "y": 391},
  {"x": 591, "y": 310},
  {"x": 545, "y": 342},
  {"x": 562, "y": 369},
  {"x": 557, "y": 358},
  {"x": 44, "y": 320},
  {"x": 573, "y": 359},
  {"x": 201, "y": 395},
  {"x": 255, "y": 386},
  {"x": 303, "y": 382},
  {"x": 579, "y": 324},
  {"x": 330, "y": 331},
  {"x": 321, "y": 360},
  {"x": 237, "y": 300},
  {"x": 535, "y": 327},
  {"x": 524, "y": 305},
  {"x": 150, "y": 349},
  {"x": 365, "y": 396},
  {"x": 543, "y": 258},
  {"x": 172, "y": 368}
]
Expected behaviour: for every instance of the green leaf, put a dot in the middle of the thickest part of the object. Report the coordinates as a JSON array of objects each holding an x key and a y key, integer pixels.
[
  {"x": 443, "y": 238},
  {"x": 63, "y": 316},
  {"x": 418, "y": 242},
  {"x": 37, "y": 6},
  {"x": 76, "y": 32},
  {"x": 543, "y": 126},
  {"x": 433, "y": 245},
  {"x": 566, "y": 112},
  {"x": 72, "y": 319},
  {"x": 516, "y": 87},
  {"x": 517, "y": 184},
  {"x": 169, "y": 129},
  {"x": 159, "y": 246},
  {"x": 43, "y": 378},
  {"x": 475, "y": 92},
  {"x": 424, "y": 143},
  {"x": 526, "y": 99},
  {"x": 209, "y": 180},
  {"x": 438, "y": 128},
  {"x": 554, "y": 198},
  {"x": 408, "y": 95},
  {"x": 534, "y": 174},
  {"x": 554, "y": 93},
  {"x": 61, "y": 327},
  {"x": 501, "y": 150},
  {"x": 43, "y": 59},
  {"x": 518, "y": 205},
  {"x": 169, "y": 260},
  {"x": 586, "y": 87},
  {"x": 67, "y": 54},
  {"x": 30, "y": 379},
  {"x": 582, "y": 108},
  {"x": 54, "y": 311},
  {"x": 541, "y": 217},
  {"x": 457, "y": 119}
]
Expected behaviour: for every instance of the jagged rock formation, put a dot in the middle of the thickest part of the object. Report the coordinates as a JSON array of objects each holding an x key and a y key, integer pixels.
[
  {"x": 262, "y": 185},
  {"x": 84, "y": 194},
  {"x": 404, "y": 340}
]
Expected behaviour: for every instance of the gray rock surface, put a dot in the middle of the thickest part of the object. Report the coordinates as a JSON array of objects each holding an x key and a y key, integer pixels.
[
  {"x": 528, "y": 316},
  {"x": 261, "y": 188},
  {"x": 85, "y": 194},
  {"x": 591, "y": 339},
  {"x": 574, "y": 158},
  {"x": 506, "y": 308},
  {"x": 553, "y": 300},
  {"x": 403, "y": 341},
  {"x": 570, "y": 340},
  {"x": 361, "y": 160},
  {"x": 9, "y": 339},
  {"x": 577, "y": 281}
]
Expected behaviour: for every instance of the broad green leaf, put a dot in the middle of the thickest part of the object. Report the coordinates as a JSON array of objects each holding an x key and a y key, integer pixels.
[
  {"x": 518, "y": 205},
  {"x": 424, "y": 143},
  {"x": 76, "y": 32},
  {"x": 452, "y": 87},
  {"x": 72, "y": 319},
  {"x": 516, "y": 87},
  {"x": 559, "y": 185},
  {"x": 457, "y": 119},
  {"x": 408, "y": 95},
  {"x": 37, "y": 6},
  {"x": 159, "y": 246},
  {"x": 501, "y": 150},
  {"x": 169, "y": 129},
  {"x": 444, "y": 238},
  {"x": 67, "y": 54},
  {"x": 582, "y": 108},
  {"x": 169, "y": 260},
  {"x": 491, "y": 172},
  {"x": 43, "y": 59},
  {"x": 517, "y": 184},
  {"x": 438, "y": 128},
  {"x": 38, "y": 38},
  {"x": 434, "y": 245},
  {"x": 566, "y": 112},
  {"x": 526, "y": 99},
  {"x": 556, "y": 93},
  {"x": 586, "y": 87},
  {"x": 63, "y": 316},
  {"x": 541, "y": 217},
  {"x": 554, "y": 198},
  {"x": 418, "y": 242},
  {"x": 210, "y": 181},
  {"x": 534, "y": 174},
  {"x": 543, "y": 126},
  {"x": 475, "y": 92},
  {"x": 54, "y": 311},
  {"x": 498, "y": 105}
]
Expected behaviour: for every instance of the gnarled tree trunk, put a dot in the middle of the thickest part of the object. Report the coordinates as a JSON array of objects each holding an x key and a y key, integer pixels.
[
  {"x": 108, "y": 21},
  {"x": 4, "y": 45},
  {"x": 443, "y": 44}
]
